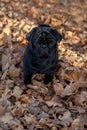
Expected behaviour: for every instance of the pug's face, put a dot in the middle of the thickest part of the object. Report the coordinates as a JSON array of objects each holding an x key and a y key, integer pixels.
[{"x": 43, "y": 39}]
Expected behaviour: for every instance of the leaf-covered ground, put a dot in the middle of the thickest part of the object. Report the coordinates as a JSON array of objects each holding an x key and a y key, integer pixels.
[{"x": 61, "y": 105}]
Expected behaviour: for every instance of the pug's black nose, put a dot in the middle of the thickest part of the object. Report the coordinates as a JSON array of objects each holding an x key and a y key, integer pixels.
[
  {"x": 44, "y": 54},
  {"x": 43, "y": 46}
]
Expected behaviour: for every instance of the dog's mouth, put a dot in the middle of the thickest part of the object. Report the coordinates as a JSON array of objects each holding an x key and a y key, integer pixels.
[{"x": 44, "y": 56}]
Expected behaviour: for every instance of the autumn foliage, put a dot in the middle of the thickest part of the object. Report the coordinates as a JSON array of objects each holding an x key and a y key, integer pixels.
[{"x": 61, "y": 105}]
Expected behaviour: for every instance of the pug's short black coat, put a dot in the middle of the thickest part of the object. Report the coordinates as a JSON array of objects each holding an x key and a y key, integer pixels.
[{"x": 41, "y": 54}]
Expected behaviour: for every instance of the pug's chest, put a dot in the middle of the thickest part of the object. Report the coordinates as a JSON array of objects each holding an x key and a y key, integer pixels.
[{"x": 42, "y": 61}]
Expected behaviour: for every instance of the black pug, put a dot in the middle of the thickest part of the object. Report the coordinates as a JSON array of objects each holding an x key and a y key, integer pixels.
[{"x": 41, "y": 54}]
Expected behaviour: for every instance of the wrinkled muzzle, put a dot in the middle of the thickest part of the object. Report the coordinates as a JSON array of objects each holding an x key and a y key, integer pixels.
[{"x": 44, "y": 53}]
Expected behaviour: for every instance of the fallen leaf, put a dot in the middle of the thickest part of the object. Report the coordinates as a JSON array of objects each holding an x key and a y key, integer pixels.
[
  {"x": 69, "y": 90},
  {"x": 76, "y": 124},
  {"x": 66, "y": 118},
  {"x": 58, "y": 88},
  {"x": 34, "y": 107},
  {"x": 1, "y": 91},
  {"x": 2, "y": 110},
  {"x": 81, "y": 99},
  {"x": 54, "y": 128},
  {"x": 6, "y": 118},
  {"x": 7, "y": 38},
  {"x": 17, "y": 91},
  {"x": 16, "y": 112},
  {"x": 56, "y": 22},
  {"x": 6, "y": 59},
  {"x": 42, "y": 115},
  {"x": 65, "y": 128},
  {"x": 42, "y": 122},
  {"x": 71, "y": 74},
  {"x": 83, "y": 118},
  {"x": 23, "y": 99},
  {"x": 10, "y": 83},
  {"x": 13, "y": 71},
  {"x": 28, "y": 119}
]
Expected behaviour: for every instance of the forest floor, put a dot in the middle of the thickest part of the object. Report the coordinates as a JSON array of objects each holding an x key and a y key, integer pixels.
[{"x": 34, "y": 108}]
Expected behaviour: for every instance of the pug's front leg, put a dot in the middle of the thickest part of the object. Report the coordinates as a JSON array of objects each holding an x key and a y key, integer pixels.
[
  {"x": 27, "y": 78},
  {"x": 48, "y": 78}
]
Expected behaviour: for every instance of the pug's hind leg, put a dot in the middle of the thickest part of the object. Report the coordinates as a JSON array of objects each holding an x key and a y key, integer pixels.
[
  {"x": 48, "y": 78},
  {"x": 27, "y": 78}
]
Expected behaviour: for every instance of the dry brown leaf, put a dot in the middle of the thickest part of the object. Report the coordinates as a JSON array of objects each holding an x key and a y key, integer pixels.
[
  {"x": 7, "y": 39},
  {"x": 1, "y": 91},
  {"x": 13, "y": 71},
  {"x": 73, "y": 36},
  {"x": 43, "y": 115},
  {"x": 58, "y": 88},
  {"x": 9, "y": 83},
  {"x": 15, "y": 124},
  {"x": 37, "y": 83},
  {"x": 2, "y": 110},
  {"x": 16, "y": 112},
  {"x": 81, "y": 99},
  {"x": 4, "y": 99},
  {"x": 54, "y": 128},
  {"x": 42, "y": 122},
  {"x": 6, "y": 1},
  {"x": 6, "y": 59},
  {"x": 32, "y": 12},
  {"x": 56, "y": 22},
  {"x": 69, "y": 90},
  {"x": 83, "y": 118},
  {"x": 36, "y": 1},
  {"x": 52, "y": 103},
  {"x": 28, "y": 119},
  {"x": 17, "y": 91},
  {"x": 66, "y": 118},
  {"x": 6, "y": 118},
  {"x": 7, "y": 30},
  {"x": 76, "y": 124},
  {"x": 4, "y": 75},
  {"x": 70, "y": 34},
  {"x": 35, "y": 110},
  {"x": 40, "y": 89},
  {"x": 65, "y": 128},
  {"x": 1, "y": 128},
  {"x": 23, "y": 99},
  {"x": 20, "y": 39},
  {"x": 1, "y": 42},
  {"x": 71, "y": 74}
]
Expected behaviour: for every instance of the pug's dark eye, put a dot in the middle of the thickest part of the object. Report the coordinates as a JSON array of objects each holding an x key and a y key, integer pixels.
[
  {"x": 51, "y": 41},
  {"x": 40, "y": 41},
  {"x": 52, "y": 44}
]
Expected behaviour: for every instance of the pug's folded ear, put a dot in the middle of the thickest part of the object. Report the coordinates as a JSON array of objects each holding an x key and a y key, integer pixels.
[
  {"x": 31, "y": 34},
  {"x": 57, "y": 35}
]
